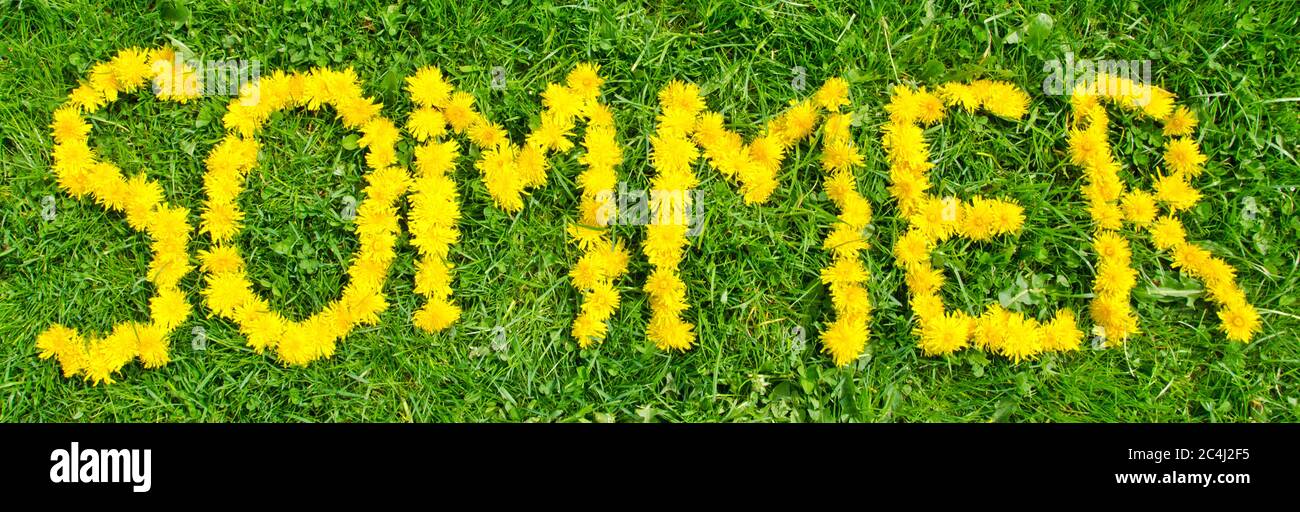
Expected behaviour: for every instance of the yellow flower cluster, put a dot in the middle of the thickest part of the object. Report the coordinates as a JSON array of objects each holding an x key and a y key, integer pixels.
[
  {"x": 672, "y": 153},
  {"x": 81, "y": 173},
  {"x": 1111, "y": 206},
  {"x": 686, "y": 131},
  {"x": 435, "y": 203},
  {"x": 603, "y": 260},
  {"x": 933, "y": 219},
  {"x": 508, "y": 170},
  {"x": 229, "y": 292},
  {"x": 755, "y": 165},
  {"x": 845, "y": 338}
]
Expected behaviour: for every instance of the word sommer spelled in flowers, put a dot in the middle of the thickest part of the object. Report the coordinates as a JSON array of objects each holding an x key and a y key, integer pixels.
[{"x": 686, "y": 133}]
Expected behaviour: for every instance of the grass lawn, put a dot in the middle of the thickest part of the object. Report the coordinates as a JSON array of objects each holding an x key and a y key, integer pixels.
[{"x": 752, "y": 273}]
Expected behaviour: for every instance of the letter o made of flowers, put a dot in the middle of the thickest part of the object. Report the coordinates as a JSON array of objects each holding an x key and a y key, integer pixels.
[
  {"x": 80, "y": 172},
  {"x": 932, "y": 219},
  {"x": 229, "y": 293}
]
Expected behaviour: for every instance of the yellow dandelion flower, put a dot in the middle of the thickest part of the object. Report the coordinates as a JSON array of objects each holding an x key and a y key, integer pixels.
[
  {"x": 841, "y": 155},
  {"x": 428, "y": 88},
  {"x": 357, "y": 112},
  {"x": 500, "y": 177},
  {"x": 855, "y": 212},
  {"x": 1115, "y": 278},
  {"x": 833, "y": 94},
  {"x": 1083, "y": 102},
  {"x": 587, "y": 272},
  {"x": 66, "y": 346},
  {"x": 486, "y": 134},
  {"x": 991, "y": 328},
  {"x": 1175, "y": 191},
  {"x": 598, "y": 116},
  {"x": 436, "y": 158},
  {"x": 1168, "y": 233},
  {"x": 151, "y": 345},
  {"x": 844, "y": 270},
  {"x": 669, "y": 154},
  {"x": 1217, "y": 271},
  {"x": 844, "y": 240},
  {"x": 844, "y": 340},
  {"x": 589, "y": 329},
  {"x": 1023, "y": 338},
  {"x": 1008, "y": 217},
  {"x": 1088, "y": 146},
  {"x": 924, "y": 280},
  {"x": 459, "y": 111},
  {"x": 669, "y": 332},
  {"x": 798, "y": 122},
  {"x": 903, "y": 107},
  {"x": 87, "y": 98},
  {"x": 929, "y": 108},
  {"x": 1139, "y": 207},
  {"x": 836, "y": 126},
  {"x": 979, "y": 219},
  {"x": 681, "y": 97},
  {"x": 68, "y": 125},
  {"x": 584, "y": 80},
  {"x": 1191, "y": 258},
  {"x": 554, "y": 133},
  {"x": 562, "y": 101},
  {"x": 601, "y": 300},
  {"x": 1180, "y": 123},
  {"x": 944, "y": 334},
  {"x": 1240, "y": 321},
  {"x": 169, "y": 308},
  {"x": 1158, "y": 104},
  {"x": 1106, "y": 215},
  {"x": 1183, "y": 155},
  {"x": 221, "y": 220},
  {"x": 839, "y": 186},
  {"x": 909, "y": 190},
  {"x": 926, "y": 306},
  {"x": 1062, "y": 334},
  {"x": 1005, "y": 100},
  {"x": 426, "y": 123},
  {"x": 961, "y": 95},
  {"x": 1112, "y": 247},
  {"x": 911, "y": 249},
  {"x": 853, "y": 303},
  {"x": 1226, "y": 292},
  {"x": 263, "y": 330}
]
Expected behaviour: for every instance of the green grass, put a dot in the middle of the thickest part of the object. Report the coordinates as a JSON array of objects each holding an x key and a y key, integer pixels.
[{"x": 753, "y": 271}]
